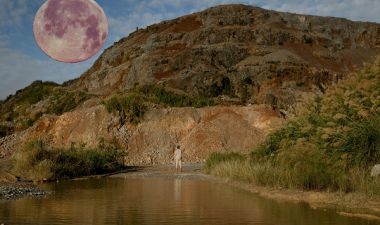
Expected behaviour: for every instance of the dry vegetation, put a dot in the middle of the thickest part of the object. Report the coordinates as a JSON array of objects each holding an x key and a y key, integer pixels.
[
  {"x": 36, "y": 161},
  {"x": 20, "y": 111},
  {"x": 331, "y": 147}
]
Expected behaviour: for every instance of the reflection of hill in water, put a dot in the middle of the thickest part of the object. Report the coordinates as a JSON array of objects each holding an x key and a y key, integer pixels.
[{"x": 159, "y": 201}]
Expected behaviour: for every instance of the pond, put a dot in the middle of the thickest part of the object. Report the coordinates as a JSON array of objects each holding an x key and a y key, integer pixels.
[{"x": 160, "y": 200}]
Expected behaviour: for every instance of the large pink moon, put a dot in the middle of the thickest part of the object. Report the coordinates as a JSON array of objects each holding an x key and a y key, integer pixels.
[{"x": 70, "y": 30}]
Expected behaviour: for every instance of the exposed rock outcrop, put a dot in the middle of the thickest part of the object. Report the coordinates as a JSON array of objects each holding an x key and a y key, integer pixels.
[
  {"x": 274, "y": 61},
  {"x": 198, "y": 131},
  {"x": 375, "y": 171},
  {"x": 260, "y": 54}
]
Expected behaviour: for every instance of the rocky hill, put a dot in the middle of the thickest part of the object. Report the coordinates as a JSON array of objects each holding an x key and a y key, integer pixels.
[
  {"x": 217, "y": 80},
  {"x": 242, "y": 51}
]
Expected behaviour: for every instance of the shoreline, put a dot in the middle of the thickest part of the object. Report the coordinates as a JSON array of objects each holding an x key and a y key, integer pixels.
[
  {"x": 350, "y": 205},
  {"x": 16, "y": 190}
]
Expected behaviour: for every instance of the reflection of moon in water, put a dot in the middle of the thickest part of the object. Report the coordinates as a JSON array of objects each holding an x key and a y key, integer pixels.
[{"x": 70, "y": 30}]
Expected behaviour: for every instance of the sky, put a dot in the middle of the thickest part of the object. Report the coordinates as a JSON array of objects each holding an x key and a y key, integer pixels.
[{"x": 22, "y": 62}]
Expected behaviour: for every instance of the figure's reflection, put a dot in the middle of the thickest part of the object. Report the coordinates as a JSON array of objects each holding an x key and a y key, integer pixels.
[{"x": 177, "y": 189}]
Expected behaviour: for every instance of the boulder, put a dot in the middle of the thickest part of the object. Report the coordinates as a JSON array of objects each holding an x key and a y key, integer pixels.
[{"x": 375, "y": 171}]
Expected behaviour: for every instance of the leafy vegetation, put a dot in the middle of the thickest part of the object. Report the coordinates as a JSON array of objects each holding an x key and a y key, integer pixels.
[
  {"x": 130, "y": 105},
  {"x": 133, "y": 104},
  {"x": 35, "y": 161},
  {"x": 35, "y": 92},
  {"x": 63, "y": 101},
  {"x": 5, "y": 131},
  {"x": 160, "y": 95},
  {"x": 20, "y": 111},
  {"x": 331, "y": 146},
  {"x": 224, "y": 88}
]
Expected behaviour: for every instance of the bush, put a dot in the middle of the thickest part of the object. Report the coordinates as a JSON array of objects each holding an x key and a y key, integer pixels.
[
  {"x": 216, "y": 158},
  {"x": 331, "y": 146},
  {"x": 37, "y": 91},
  {"x": 160, "y": 95},
  {"x": 291, "y": 132},
  {"x": 225, "y": 88},
  {"x": 36, "y": 162},
  {"x": 362, "y": 143},
  {"x": 131, "y": 106},
  {"x": 5, "y": 131},
  {"x": 65, "y": 101}
]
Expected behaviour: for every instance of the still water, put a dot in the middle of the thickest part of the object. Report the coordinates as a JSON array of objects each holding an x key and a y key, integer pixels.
[{"x": 167, "y": 200}]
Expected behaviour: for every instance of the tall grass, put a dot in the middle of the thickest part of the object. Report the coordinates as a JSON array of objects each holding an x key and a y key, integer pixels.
[
  {"x": 331, "y": 146},
  {"x": 362, "y": 143},
  {"x": 35, "y": 161},
  {"x": 310, "y": 174}
]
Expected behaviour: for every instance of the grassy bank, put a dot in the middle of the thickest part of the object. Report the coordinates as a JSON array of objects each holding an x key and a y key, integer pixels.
[
  {"x": 35, "y": 161},
  {"x": 330, "y": 147}
]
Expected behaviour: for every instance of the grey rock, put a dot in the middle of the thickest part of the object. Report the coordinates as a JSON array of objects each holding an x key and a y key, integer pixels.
[{"x": 375, "y": 171}]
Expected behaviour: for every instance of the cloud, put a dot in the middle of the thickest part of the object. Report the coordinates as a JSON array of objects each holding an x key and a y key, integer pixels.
[
  {"x": 19, "y": 70},
  {"x": 21, "y": 62},
  {"x": 145, "y": 12},
  {"x": 12, "y": 12},
  {"x": 363, "y": 10}
]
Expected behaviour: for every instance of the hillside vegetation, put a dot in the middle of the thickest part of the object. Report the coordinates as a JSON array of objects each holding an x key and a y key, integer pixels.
[
  {"x": 20, "y": 111},
  {"x": 36, "y": 161},
  {"x": 331, "y": 146},
  {"x": 132, "y": 104}
]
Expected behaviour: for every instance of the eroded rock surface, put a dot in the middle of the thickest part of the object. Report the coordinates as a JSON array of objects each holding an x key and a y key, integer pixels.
[
  {"x": 260, "y": 55},
  {"x": 276, "y": 62},
  {"x": 198, "y": 131}
]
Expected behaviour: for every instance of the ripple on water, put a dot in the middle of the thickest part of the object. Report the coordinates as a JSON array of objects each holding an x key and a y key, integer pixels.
[{"x": 160, "y": 200}]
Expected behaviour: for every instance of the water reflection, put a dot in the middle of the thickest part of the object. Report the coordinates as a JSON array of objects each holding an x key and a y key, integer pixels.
[
  {"x": 177, "y": 189},
  {"x": 160, "y": 201}
]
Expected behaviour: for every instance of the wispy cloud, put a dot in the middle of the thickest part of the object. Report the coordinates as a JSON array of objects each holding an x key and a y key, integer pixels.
[
  {"x": 12, "y": 12},
  {"x": 145, "y": 12},
  {"x": 22, "y": 63},
  {"x": 363, "y": 10},
  {"x": 19, "y": 70}
]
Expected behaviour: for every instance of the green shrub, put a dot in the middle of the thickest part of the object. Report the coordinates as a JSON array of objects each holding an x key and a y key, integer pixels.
[
  {"x": 132, "y": 106},
  {"x": 5, "y": 131},
  {"x": 65, "y": 101},
  {"x": 112, "y": 104},
  {"x": 224, "y": 88},
  {"x": 329, "y": 147},
  {"x": 292, "y": 132},
  {"x": 160, "y": 95},
  {"x": 36, "y": 162},
  {"x": 362, "y": 143}
]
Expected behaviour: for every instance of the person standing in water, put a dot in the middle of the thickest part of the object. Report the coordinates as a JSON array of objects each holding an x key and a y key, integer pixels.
[{"x": 178, "y": 158}]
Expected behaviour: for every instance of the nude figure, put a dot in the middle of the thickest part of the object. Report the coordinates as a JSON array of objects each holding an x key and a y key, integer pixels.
[{"x": 178, "y": 158}]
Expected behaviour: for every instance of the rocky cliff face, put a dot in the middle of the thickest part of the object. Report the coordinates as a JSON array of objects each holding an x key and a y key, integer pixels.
[
  {"x": 258, "y": 55},
  {"x": 198, "y": 131},
  {"x": 268, "y": 62}
]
